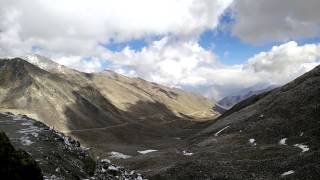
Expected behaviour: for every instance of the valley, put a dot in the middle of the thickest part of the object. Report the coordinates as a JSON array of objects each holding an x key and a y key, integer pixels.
[
  {"x": 159, "y": 132},
  {"x": 105, "y": 112},
  {"x": 159, "y": 90}
]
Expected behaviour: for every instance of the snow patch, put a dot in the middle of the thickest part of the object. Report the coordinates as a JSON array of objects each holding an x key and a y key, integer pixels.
[
  {"x": 25, "y": 141},
  {"x": 252, "y": 141},
  {"x": 106, "y": 161},
  {"x": 103, "y": 170},
  {"x": 304, "y": 148},
  {"x": 217, "y": 133},
  {"x": 287, "y": 173},
  {"x": 185, "y": 153},
  {"x": 111, "y": 167},
  {"x": 66, "y": 141},
  {"x": 283, "y": 141},
  {"x": 53, "y": 177},
  {"x": 117, "y": 155},
  {"x": 26, "y": 124},
  {"x": 28, "y": 132},
  {"x": 34, "y": 134},
  {"x": 42, "y": 62},
  {"x": 86, "y": 148},
  {"x": 147, "y": 151}
]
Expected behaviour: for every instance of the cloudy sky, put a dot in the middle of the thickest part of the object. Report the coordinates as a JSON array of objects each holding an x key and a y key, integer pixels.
[{"x": 215, "y": 47}]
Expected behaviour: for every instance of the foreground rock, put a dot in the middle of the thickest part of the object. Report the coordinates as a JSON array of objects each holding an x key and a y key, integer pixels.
[
  {"x": 108, "y": 171},
  {"x": 16, "y": 164},
  {"x": 58, "y": 156}
]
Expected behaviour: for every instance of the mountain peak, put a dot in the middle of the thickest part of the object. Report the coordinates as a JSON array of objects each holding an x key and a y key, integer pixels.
[{"x": 41, "y": 61}]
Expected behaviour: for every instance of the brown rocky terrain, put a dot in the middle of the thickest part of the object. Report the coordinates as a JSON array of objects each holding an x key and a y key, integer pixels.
[
  {"x": 274, "y": 135},
  {"x": 104, "y": 111},
  {"x": 165, "y": 133}
]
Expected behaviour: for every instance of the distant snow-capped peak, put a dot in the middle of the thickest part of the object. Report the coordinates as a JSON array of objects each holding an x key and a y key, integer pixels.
[{"x": 41, "y": 61}]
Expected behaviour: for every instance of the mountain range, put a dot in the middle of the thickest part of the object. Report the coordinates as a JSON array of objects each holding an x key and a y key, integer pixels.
[
  {"x": 229, "y": 101},
  {"x": 273, "y": 135},
  {"x": 105, "y": 111},
  {"x": 161, "y": 132}
]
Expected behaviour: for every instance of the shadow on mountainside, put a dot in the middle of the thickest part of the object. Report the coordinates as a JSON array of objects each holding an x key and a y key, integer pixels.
[
  {"x": 98, "y": 124},
  {"x": 91, "y": 110}
]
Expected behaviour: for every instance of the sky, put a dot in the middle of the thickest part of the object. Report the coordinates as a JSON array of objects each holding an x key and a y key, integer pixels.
[{"x": 213, "y": 47}]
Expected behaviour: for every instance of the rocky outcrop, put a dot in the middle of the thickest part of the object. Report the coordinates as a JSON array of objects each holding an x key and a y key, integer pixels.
[
  {"x": 59, "y": 156},
  {"x": 107, "y": 171}
]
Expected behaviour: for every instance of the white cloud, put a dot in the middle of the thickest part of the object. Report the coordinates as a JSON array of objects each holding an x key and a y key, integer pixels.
[
  {"x": 285, "y": 62},
  {"x": 71, "y": 33},
  {"x": 167, "y": 61},
  {"x": 269, "y": 20},
  {"x": 188, "y": 65},
  {"x": 77, "y": 27},
  {"x": 278, "y": 66},
  {"x": 77, "y": 62}
]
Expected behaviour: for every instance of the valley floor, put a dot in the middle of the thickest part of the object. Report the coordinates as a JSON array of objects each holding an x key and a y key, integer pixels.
[{"x": 223, "y": 154}]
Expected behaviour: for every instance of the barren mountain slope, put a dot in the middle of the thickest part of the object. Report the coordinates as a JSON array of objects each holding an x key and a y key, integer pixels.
[
  {"x": 124, "y": 92},
  {"x": 105, "y": 111},
  {"x": 60, "y": 103},
  {"x": 275, "y": 135},
  {"x": 127, "y": 93}
]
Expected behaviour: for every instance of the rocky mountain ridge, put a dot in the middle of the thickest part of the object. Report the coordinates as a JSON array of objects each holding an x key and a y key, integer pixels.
[
  {"x": 273, "y": 135},
  {"x": 106, "y": 112},
  {"x": 229, "y": 101}
]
